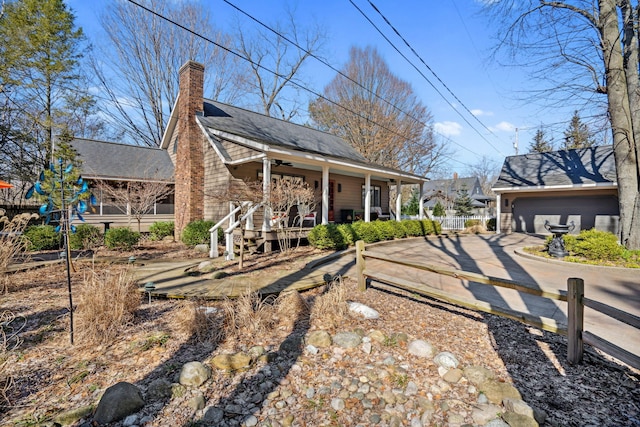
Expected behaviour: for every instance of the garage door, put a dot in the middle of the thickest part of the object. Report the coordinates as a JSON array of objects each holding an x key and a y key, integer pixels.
[{"x": 530, "y": 213}]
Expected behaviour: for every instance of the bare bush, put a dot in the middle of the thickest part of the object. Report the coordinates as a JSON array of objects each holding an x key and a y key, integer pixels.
[
  {"x": 11, "y": 242},
  {"x": 106, "y": 304},
  {"x": 285, "y": 194},
  {"x": 203, "y": 323},
  {"x": 330, "y": 308}
]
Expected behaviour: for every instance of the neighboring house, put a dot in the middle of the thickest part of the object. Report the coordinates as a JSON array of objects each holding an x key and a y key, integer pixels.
[
  {"x": 211, "y": 144},
  {"x": 559, "y": 187},
  {"x": 118, "y": 163},
  {"x": 446, "y": 192}
]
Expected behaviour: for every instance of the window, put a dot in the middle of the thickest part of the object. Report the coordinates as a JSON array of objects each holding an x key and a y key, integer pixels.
[{"x": 375, "y": 195}]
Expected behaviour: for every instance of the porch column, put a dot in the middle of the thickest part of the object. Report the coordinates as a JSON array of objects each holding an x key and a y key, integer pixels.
[
  {"x": 325, "y": 195},
  {"x": 398, "y": 200},
  {"x": 266, "y": 193},
  {"x": 421, "y": 204},
  {"x": 498, "y": 207},
  {"x": 367, "y": 198}
]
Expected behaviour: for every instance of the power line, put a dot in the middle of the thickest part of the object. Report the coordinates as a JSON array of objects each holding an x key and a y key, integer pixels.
[
  {"x": 231, "y": 51},
  {"x": 422, "y": 74},
  {"x": 322, "y": 61}
]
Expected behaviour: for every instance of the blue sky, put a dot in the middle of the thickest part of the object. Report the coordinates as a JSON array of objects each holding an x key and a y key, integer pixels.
[{"x": 451, "y": 36}]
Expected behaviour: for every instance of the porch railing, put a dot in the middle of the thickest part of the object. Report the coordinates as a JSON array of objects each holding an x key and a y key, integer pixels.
[{"x": 229, "y": 246}]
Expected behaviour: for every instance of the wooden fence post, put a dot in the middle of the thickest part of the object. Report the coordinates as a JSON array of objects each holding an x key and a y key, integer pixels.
[
  {"x": 362, "y": 283},
  {"x": 575, "y": 295}
]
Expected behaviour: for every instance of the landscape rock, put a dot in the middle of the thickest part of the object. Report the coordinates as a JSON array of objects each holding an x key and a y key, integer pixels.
[
  {"x": 347, "y": 339},
  {"x": 377, "y": 336},
  {"x": 158, "y": 389},
  {"x": 453, "y": 376},
  {"x": 202, "y": 248},
  {"x": 194, "y": 374},
  {"x": 484, "y": 413},
  {"x": 366, "y": 311},
  {"x": 519, "y": 420},
  {"x": 518, "y": 406},
  {"x": 478, "y": 374},
  {"x": 421, "y": 348},
  {"x": 319, "y": 339},
  {"x": 497, "y": 391},
  {"x": 69, "y": 417},
  {"x": 117, "y": 402},
  {"x": 232, "y": 362},
  {"x": 446, "y": 360}
]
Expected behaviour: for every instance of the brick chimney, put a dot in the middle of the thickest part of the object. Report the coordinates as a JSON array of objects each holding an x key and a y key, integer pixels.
[{"x": 189, "y": 168}]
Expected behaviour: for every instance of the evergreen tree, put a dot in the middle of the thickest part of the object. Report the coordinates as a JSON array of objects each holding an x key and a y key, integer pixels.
[
  {"x": 577, "y": 134},
  {"x": 438, "y": 210},
  {"x": 462, "y": 203},
  {"x": 40, "y": 79},
  {"x": 540, "y": 143},
  {"x": 412, "y": 207}
]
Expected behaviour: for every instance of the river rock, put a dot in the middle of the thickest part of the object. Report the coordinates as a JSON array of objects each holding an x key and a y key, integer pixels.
[
  {"x": 421, "y": 348},
  {"x": 347, "y": 339},
  {"x": 365, "y": 311},
  {"x": 319, "y": 339},
  {"x": 446, "y": 360}
]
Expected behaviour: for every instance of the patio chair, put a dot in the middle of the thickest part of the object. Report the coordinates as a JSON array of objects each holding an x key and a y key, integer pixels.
[{"x": 309, "y": 220}]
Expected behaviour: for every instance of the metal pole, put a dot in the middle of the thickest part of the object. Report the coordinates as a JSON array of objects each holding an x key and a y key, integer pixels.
[{"x": 65, "y": 235}]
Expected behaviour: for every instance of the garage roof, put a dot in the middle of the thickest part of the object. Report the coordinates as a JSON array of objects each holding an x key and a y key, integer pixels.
[{"x": 593, "y": 166}]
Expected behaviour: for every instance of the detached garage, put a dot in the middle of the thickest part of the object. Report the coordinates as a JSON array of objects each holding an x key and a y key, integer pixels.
[{"x": 559, "y": 187}]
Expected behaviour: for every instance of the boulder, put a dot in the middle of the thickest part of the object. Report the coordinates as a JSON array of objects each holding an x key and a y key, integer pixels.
[
  {"x": 446, "y": 360},
  {"x": 117, "y": 402},
  {"x": 347, "y": 339}
]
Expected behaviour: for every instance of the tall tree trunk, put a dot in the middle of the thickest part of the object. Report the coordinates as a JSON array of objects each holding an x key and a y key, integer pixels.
[{"x": 620, "y": 97}]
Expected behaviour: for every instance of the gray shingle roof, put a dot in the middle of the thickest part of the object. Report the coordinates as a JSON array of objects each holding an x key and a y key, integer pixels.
[
  {"x": 109, "y": 160},
  {"x": 439, "y": 189},
  {"x": 275, "y": 132},
  {"x": 594, "y": 165}
]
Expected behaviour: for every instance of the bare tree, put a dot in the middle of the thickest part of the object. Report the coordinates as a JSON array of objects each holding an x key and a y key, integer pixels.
[
  {"x": 138, "y": 69},
  {"x": 134, "y": 198},
  {"x": 381, "y": 118},
  {"x": 586, "y": 48},
  {"x": 12, "y": 242},
  {"x": 274, "y": 61},
  {"x": 487, "y": 171},
  {"x": 285, "y": 195}
]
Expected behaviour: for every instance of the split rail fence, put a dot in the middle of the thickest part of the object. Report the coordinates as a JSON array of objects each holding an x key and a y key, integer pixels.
[{"x": 574, "y": 297}]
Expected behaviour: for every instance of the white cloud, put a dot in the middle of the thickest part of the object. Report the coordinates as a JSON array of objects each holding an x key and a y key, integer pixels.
[
  {"x": 478, "y": 112},
  {"x": 448, "y": 128},
  {"x": 504, "y": 127}
]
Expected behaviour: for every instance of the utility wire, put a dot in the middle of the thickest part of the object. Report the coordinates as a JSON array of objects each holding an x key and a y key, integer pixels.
[
  {"x": 231, "y": 51},
  {"x": 423, "y": 75}
]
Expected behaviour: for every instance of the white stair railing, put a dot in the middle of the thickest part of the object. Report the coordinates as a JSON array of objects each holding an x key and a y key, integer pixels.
[{"x": 229, "y": 246}]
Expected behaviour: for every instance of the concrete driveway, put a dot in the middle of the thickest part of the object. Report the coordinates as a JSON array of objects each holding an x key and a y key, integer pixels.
[{"x": 501, "y": 256}]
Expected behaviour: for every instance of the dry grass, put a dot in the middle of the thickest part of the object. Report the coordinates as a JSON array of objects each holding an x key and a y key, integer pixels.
[
  {"x": 106, "y": 304},
  {"x": 248, "y": 315},
  {"x": 291, "y": 310},
  {"x": 11, "y": 242},
  {"x": 196, "y": 320},
  {"x": 10, "y": 328},
  {"x": 330, "y": 308}
]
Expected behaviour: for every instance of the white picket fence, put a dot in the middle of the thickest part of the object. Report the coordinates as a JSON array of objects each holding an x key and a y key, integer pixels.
[{"x": 457, "y": 222}]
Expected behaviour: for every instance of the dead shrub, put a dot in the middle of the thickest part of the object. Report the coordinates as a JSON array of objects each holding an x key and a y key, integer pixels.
[
  {"x": 331, "y": 306},
  {"x": 248, "y": 315},
  {"x": 195, "y": 319},
  {"x": 475, "y": 229},
  {"x": 12, "y": 242},
  {"x": 106, "y": 304},
  {"x": 10, "y": 328}
]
